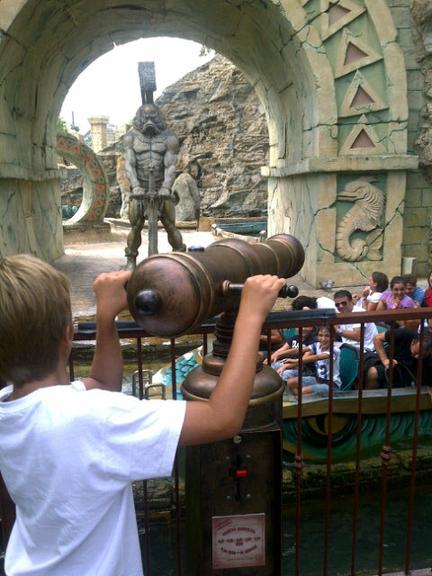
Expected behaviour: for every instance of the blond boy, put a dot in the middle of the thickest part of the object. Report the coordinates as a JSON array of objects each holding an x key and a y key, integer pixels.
[{"x": 70, "y": 451}]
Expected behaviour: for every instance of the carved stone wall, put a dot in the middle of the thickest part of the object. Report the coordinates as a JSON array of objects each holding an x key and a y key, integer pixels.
[
  {"x": 339, "y": 83},
  {"x": 418, "y": 229}
]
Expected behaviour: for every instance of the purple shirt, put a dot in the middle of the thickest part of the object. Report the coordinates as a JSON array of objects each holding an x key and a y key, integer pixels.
[{"x": 406, "y": 301}]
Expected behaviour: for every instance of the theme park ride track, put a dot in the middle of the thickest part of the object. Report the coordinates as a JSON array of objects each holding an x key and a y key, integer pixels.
[{"x": 344, "y": 423}]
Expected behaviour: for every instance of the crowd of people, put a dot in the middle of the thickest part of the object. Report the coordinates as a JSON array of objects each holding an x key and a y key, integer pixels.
[{"x": 387, "y": 352}]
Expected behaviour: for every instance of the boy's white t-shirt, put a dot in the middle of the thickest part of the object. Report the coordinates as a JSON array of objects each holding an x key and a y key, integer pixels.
[{"x": 68, "y": 457}]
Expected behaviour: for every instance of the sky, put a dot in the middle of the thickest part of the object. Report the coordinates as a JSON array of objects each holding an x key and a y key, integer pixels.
[{"x": 110, "y": 85}]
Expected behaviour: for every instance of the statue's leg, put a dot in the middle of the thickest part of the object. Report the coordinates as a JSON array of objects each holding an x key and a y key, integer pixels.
[
  {"x": 136, "y": 218},
  {"x": 167, "y": 217}
]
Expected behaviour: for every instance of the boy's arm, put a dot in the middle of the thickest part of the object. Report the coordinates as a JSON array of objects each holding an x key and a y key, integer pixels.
[
  {"x": 107, "y": 366},
  {"x": 307, "y": 359},
  {"x": 378, "y": 341},
  {"x": 222, "y": 416},
  {"x": 353, "y": 334},
  {"x": 280, "y": 352}
]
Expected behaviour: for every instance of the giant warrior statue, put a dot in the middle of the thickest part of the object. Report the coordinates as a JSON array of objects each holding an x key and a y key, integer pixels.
[{"x": 150, "y": 151}]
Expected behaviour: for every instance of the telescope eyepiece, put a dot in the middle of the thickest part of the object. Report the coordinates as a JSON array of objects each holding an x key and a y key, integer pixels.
[{"x": 148, "y": 302}]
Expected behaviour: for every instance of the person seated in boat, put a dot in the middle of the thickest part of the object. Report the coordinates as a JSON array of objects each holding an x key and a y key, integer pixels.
[
  {"x": 290, "y": 341},
  {"x": 405, "y": 359},
  {"x": 286, "y": 364},
  {"x": 351, "y": 333},
  {"x": 396, "y": 298},
  {"x": 370, "y": 296},
  {"x": 312, "y": 303},
  {"x": 427, "y": 300},
  {"x": 318, "y": 353},
  {"x": 275, "y": 339},
  {"x": 70, "y": 451},
  {"x": 412, "y": 290}
]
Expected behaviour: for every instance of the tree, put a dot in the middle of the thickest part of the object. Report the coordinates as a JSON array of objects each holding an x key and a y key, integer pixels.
[
  {"x": 61, "y": 126},
  {"x": 205, "y": 51}
]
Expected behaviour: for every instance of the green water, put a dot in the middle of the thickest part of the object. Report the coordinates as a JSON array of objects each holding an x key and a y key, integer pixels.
[
  {"x": 162, "y": 536},
  {"x": 340, "y": 530}
]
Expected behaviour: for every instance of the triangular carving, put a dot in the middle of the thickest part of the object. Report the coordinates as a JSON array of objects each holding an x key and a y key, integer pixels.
[
  {"x": 335, "y": 14},
  {"x": 360, "y": 98},
  {"x": 362, "y": 140},
  {"x": 353, "y": 54}
]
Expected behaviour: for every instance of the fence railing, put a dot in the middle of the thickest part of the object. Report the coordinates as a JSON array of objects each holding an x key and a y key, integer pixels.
[{"x": 321, "y": 433}]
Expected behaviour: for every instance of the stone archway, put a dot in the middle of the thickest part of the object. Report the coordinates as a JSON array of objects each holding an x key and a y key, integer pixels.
[
  {"x": 329, "y": 73},
  {"x": 95, "y": 184}
]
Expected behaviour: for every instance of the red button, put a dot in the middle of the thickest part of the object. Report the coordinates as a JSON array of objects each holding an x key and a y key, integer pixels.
[{"x": 242, "y": 473}]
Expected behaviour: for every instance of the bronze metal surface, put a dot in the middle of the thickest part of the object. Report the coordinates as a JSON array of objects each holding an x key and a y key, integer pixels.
[{"x": 189, "y": 286}]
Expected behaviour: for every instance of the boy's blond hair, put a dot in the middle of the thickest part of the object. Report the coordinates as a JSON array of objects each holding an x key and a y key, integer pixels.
[{"x": 35, "y": 309}]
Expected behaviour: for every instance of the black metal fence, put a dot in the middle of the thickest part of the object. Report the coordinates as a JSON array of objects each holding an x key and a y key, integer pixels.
[{"x": 341, "y": 434}]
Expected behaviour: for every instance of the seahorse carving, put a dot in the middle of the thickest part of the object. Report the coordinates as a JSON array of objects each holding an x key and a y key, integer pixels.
[{"x": 365, "y": 216}]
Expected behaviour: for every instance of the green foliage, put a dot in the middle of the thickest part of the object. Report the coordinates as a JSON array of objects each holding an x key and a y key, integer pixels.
[
  {"x": 205, "y": 51},
  {"x": 62, "y": 127}
]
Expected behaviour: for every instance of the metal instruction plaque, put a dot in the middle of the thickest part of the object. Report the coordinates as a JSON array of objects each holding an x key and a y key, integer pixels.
[{"x": 238, "y": 541}]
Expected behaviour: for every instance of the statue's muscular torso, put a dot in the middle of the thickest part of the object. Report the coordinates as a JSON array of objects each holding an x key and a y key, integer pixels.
[{"x": 150, "y": 152}]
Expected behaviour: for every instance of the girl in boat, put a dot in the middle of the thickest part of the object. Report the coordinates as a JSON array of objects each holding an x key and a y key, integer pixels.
[
  {"x": 427, "y": 300},
  {"x": 378, "y": 284},
  {"x": 319, "y": 354}
]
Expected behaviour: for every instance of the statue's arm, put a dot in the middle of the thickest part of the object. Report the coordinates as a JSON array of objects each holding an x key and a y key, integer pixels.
[
  {"x": 170, "y": 160},
  {"x": 130, "y": 163}
]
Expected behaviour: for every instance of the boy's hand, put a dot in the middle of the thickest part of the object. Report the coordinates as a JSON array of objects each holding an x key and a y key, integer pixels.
[
  {"x": 110, "y": 293},
  {"x": 259, "y": 295}
]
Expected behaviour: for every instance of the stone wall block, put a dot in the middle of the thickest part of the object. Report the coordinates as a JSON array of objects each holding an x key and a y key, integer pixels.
[
  {"x": 30, "y": 219},
  {"x": 413, "y": 198},
  {"x": 415, "y": 80},
  {"x": 421, "y": 253},
  {"x": 427, "y": 197},
  {"x": 382, "y": 19},
  {"x": 397, "y": 137},
  {"x": 416, "y": 180},
  {"x": 9, "y": 9},
  {"x": 414, "y": 217},
  {"x": 295, "y": 14},
  {"x": 401, "y": 16},
  {"x": 395, "y": 195},
  {"x": 396, "y": 79},
  {"x": 416, "y": 236},
  {"x": 325, "y": 222}
]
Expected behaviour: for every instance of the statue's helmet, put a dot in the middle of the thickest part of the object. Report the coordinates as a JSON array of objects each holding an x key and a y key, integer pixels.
[{"x": 148, "y": 120}]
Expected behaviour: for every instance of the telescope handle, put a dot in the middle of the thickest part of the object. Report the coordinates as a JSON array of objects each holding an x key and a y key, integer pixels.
[{"x": 287, "y": 291}]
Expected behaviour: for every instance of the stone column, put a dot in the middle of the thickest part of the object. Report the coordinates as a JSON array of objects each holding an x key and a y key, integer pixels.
[{"x": 98, "y": 128}]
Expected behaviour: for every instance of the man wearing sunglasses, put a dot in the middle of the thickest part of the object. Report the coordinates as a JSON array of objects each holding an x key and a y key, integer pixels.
[{"x": 350, "y": 333}]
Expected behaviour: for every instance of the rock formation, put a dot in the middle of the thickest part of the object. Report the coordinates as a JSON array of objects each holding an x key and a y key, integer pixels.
[{"x": 223, "y": 137}]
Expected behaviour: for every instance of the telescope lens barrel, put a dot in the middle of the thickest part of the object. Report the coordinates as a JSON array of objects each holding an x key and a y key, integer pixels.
[{"x": 169, "y": 294}]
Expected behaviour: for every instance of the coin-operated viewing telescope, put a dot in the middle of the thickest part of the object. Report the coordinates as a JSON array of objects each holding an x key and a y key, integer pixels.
[
  {"x": 170, "y": 294},
  {"x": 233, "y": 488}
]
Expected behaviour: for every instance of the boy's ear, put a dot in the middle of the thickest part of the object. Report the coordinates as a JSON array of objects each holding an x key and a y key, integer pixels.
[{"x": 68, "y": 332}]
